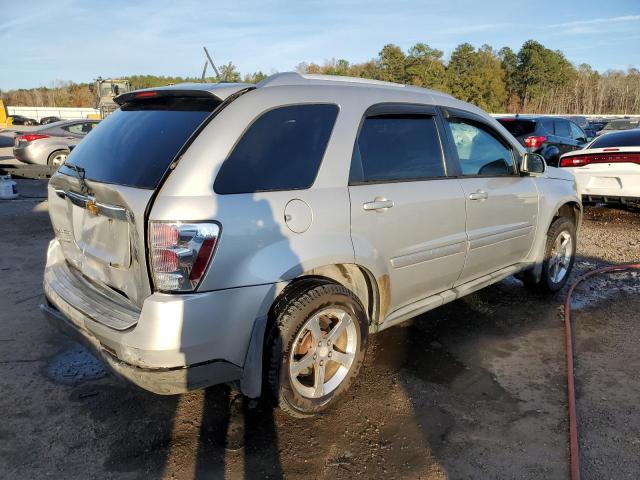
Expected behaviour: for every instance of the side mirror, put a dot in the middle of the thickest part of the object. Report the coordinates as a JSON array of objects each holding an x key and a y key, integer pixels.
[
  {"x": 581, "y": 140},
  {"x": 533, "y": 164}
]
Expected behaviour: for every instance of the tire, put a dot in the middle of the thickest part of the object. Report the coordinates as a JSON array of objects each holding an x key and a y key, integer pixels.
[
  {"x": 57, "y": 158},
  {"x": 557, "y": 265},
  {"x": 304, "y": 343}
]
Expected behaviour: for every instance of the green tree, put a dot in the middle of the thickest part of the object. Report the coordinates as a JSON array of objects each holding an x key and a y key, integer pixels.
[
  {"x": 229, "y": 73},
  {"x": 424, "y": 67},
  {"x": 540, "y": 72},
  {"x": 392, "y": 64},
  {"x": 509, "y": 63}
]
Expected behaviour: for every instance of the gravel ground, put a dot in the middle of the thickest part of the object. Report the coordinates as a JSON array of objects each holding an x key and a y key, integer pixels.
[{"x": 474, "y": 389}]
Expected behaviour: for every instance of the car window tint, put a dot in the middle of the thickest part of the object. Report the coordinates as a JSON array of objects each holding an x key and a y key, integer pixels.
[
  {"x": 576, "y": 132},
  {"x": 76, "y": 128},
  {"x": 281, "y": 150},
  {"x": 547, "y": 125},
  {"x": 396, "y": 148},
  {"x": 628, "y": 138},
  {"x": 518, "y": 128},
  {"x": 479, "y": 151},
  {"x": 562, "y": 128},
  {"x": 135, "y": 145}
]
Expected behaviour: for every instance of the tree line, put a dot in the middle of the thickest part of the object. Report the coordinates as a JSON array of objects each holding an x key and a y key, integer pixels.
[{"x": 535, "y": 79}]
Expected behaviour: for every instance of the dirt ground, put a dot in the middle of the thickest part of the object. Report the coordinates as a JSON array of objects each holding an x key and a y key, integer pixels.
[{"x": 474, "y": 389}]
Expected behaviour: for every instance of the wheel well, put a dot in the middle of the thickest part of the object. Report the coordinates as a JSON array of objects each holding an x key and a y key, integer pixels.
[
  {"x": 570, "y": 210},
  {"x": 357, "y": 279}
]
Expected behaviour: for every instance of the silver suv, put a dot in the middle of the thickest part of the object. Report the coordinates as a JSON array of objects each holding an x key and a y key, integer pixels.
[{"x": 258, "y": 234}]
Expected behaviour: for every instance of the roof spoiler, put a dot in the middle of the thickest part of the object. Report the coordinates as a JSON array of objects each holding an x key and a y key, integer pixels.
[{"x": 219, "y": 91}]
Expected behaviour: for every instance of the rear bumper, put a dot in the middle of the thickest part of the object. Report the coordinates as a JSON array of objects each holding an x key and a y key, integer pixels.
[
  {"x": 176, "y": 343},
  {"x": 24, "y": 155},
  {"x": 608, "y": 183},
  {"x": 161, "y": 381}
]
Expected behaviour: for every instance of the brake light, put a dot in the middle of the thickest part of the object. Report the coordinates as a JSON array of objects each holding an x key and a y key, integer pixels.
[
  {"x": 145, "y": 94},
  {"x": 534, "y": 142},
  {"x": 582, "y": 160},
  {"x": 30, "y": 137},
  {"x": 180, "y": 253}
]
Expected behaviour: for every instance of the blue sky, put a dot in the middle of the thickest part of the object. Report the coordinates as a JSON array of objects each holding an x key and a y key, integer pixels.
[{"x": 44, "y": 41}]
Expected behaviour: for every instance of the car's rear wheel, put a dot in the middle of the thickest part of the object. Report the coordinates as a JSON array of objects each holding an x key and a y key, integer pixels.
[
  {"x": 316, "y": 347},
  {"x": 57, "y": 158},
  {"x": 559, "y": 257}
]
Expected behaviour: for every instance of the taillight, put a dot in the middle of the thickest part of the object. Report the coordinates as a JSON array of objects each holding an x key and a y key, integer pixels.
[
  {"x": 582, "y": 160},
  {"x": 180, "y": 253},
  {"x": 30, "y": 137},
  {"x": 534, "y": 142}
]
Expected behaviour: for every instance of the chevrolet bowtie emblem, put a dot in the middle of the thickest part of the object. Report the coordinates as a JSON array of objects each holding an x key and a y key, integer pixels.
[{"x": 92, "y": 207}]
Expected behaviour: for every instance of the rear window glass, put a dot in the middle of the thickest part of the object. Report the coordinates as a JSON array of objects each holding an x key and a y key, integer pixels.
[
  {"x": 397, "y": 148},
  {"x": 622, "y": 139},
  {"x": 518, "y": 128},
  {"x": 281, "y": 150},
  {"x": 135, "y": 145},
  {"x": 620, "y": 125}
]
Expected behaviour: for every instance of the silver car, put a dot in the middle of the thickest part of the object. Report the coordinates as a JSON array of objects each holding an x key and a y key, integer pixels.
[
  {"x": 49, "y": 145},
  {"x": 258, "y": 234}
]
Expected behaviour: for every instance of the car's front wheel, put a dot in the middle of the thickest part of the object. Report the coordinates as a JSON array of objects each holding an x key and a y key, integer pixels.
[
  {"x": 559, "y": 257},
  {"x": 316, "y": 347}
]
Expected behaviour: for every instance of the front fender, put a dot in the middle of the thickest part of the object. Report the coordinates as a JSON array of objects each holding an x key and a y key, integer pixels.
[{"x": 554, "y": 194}]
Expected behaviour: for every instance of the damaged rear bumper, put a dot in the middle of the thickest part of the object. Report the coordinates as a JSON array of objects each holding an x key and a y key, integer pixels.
[
  {"x": 167, "y": 381},
  {"x": 173, "y": 343}
]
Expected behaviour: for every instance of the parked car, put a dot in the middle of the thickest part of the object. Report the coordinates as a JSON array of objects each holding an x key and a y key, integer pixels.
[
  {"x": 608, "y": 169},
  {"x": 21, "y": 120},
  {"x": 547, "y": 136},
  {"x": 49, "y": 145},
  {"x": 47, "y": 120},
  {"x": 597, "y": 125},
  {"x": 259, "y": 233},
  {"x": 584, "y": 124},
  {"x": 619, "y": 125}
]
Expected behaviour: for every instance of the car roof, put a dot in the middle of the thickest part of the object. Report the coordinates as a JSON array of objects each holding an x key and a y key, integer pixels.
[{"x": 290, "y": 79}]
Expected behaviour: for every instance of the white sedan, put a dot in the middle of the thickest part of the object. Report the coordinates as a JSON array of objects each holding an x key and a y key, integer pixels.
[{"x": 608, "y": 169}]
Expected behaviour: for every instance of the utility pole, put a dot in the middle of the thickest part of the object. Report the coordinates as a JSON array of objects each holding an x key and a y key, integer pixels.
[{"x": 212, "y": 64}]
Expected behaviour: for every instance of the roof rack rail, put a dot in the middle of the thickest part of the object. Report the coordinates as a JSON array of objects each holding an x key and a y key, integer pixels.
[{"x": 295, "y": 78}]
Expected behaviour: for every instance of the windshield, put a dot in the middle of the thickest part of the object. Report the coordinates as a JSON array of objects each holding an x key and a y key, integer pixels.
[{"x": 135, "y": 145}]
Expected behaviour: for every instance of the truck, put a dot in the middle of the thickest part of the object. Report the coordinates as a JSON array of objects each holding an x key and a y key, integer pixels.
[{"x": 105, "y": 90}]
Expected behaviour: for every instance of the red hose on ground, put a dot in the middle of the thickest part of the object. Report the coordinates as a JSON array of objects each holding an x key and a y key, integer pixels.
[{"x": 571, "y": 394}]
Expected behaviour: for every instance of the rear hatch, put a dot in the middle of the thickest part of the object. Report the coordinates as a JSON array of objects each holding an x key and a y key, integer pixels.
[{"x": 99, "y": 198}]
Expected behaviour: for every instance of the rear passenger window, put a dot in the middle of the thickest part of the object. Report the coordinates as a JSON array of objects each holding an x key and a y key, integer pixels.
[
  {"x": 562, "y": 128},
  {"x": 547, "y": 125},
  {"x": 396, "y": 148},
  {"x": 479, "y": 151},
  {"x": 281, "y": 150}
]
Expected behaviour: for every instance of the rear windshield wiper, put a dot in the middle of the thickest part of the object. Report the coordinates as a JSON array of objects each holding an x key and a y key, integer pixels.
[{"x": 80, "y": 173}]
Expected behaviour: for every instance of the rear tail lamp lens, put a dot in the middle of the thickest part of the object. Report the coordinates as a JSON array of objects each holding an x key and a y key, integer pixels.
[
  {"x": 180, "y": 253},
  {"x": 582, "y": 160},
  {"x": 30, "y": 137},
  {"x": 534, "y": 142}
]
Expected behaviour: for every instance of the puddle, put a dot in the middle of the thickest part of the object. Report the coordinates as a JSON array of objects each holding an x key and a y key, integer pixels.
[
  {"x": 604, "y": 287},
  {"x": 409, "y": 348},
  {"x": 74, "y": 366}
]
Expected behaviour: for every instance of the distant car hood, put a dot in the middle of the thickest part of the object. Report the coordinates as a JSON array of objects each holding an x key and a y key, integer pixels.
[{"x": 559, "y": 174}]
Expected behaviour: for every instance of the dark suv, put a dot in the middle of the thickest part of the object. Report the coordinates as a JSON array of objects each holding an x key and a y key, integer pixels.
[{"x": 547, "y": 136}]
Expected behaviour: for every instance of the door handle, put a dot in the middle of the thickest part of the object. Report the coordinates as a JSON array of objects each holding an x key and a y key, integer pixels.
[
  {"x": 379, "y": 204},
  {"x": 478, "y": 195}
]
